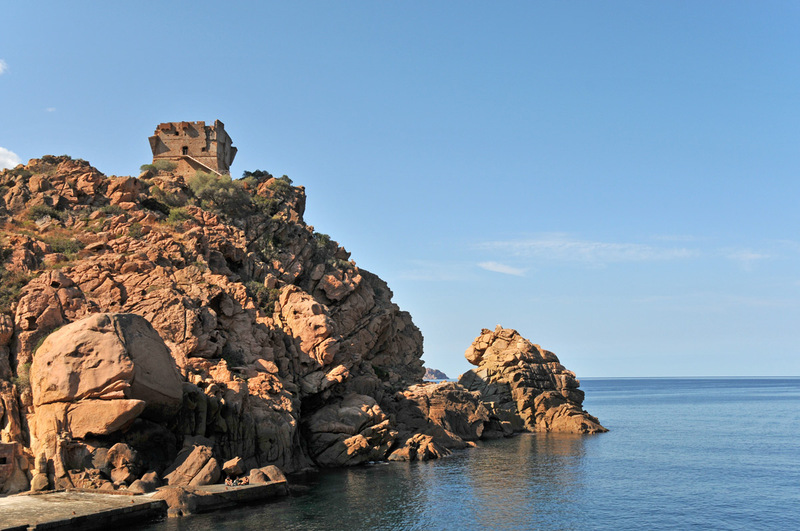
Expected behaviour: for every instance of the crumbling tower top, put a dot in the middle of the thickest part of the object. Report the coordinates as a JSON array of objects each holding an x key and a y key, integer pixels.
[{"x": 194, "y": 146}]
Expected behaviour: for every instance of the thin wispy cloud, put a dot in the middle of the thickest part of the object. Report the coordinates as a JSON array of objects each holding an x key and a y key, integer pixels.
[
  {"x": 8, "y": 159},
  {"x": 746, "y": 255},
  {"x": 50, "y": 109},
  {"x": 497, "y": 267},
  {"x": 675, "y": 238},
  {"x": 746, "y": 258},
  {"x": 3, "y": 67},
  {"x": 560, "y": 247}
]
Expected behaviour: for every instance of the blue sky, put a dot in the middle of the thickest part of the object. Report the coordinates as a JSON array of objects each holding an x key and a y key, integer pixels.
[{"x": 616, "y": 180}]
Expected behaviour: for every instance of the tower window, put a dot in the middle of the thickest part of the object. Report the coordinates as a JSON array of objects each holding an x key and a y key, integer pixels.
[{"x": 185, "y": 150}]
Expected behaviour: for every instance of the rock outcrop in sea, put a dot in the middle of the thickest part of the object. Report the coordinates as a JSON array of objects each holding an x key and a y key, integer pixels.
[
  {"x": 156, "y": 329},
  {"x": 524, "y": 387}
]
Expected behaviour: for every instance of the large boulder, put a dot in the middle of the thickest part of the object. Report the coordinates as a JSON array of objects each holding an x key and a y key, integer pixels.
[
  {"x": 195, "y": 466},
  {"x": 95, "y": 377},
  {"x": 107, "y": 357},
  {"x": 87, "y": 417}
]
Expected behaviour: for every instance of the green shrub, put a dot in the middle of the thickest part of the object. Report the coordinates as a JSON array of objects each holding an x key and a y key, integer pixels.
[
  {"x": 201, "y": 182},
  {"x": 164, "y": 165},
  {"x": 64, "y": 244},
  {"x": 37, "y": 212},
  {"x": 338, "y": 263},
  {"x": 323, "y": 247},
  {"x": 135, "y": 231},
  {"x": 257, "y": 174},
  {"x": 321, "y": 240},
  {"x": 282, "y": 184},
  {"x": 219, "y": 193},
  {"x": 267, "y": 205},
  {"x": 23, "y": 378},
  {"x": 178, "y": 215},
  {"x": 269, "y": 246},
  {"x": 252, "y": 178},
  {"x": 249, "y": 182},
  {"x": 168, "y": 198},
  {"x": 147, "y": 167},
  {"x": 52, "y": 159},
  {"x": 21, "y": 173},
  {"x": 264, "y": 297},
  {"x": 11, "y": 284},
  {"x": 49, "y": 164}
]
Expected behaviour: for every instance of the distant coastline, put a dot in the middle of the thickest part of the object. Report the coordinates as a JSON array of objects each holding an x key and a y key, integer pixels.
[{"x": 434, "y": 374}]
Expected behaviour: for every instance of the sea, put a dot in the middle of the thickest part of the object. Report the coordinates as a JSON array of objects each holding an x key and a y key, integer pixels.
[{"x": 681, "y": 453}]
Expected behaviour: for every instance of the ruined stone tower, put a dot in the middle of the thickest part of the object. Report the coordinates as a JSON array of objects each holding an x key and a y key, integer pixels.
[{"x": 194, "y": 146}]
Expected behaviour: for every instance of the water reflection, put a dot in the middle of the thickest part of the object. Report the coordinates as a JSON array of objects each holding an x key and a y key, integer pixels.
[
  {"x": 533, "y": 483},
  {"x": 529, "y": 481},
  {"x": 703, "y": 455}
]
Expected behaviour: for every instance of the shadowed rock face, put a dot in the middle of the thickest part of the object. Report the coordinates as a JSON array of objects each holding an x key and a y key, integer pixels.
[
  {"x": 350, "y": 432},
  {"x": 169, "y": 318}
]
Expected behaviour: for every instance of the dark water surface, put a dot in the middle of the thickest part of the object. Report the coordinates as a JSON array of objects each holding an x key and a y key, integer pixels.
[{"x": 681, "y": 454}]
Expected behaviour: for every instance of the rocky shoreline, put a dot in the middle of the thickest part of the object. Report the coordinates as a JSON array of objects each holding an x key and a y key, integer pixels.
[{"x": 161, "y": 329}]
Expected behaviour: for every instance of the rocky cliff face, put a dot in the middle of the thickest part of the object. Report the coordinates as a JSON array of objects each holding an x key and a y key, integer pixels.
[{"x": 156, "y": 314}]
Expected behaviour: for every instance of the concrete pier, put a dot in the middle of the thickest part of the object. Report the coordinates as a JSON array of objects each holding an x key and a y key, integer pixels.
[
  {"x": 76, "y": 510},
  {"x": 86, "y": 510}
]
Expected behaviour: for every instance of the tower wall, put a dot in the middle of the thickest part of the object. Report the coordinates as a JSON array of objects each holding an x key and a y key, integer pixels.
[{"x": 194, "y": 146}]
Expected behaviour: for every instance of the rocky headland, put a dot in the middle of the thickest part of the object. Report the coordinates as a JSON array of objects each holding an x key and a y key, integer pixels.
[
  {"x": 163, "y": 330},
  {"x": 434, "y": 374}
]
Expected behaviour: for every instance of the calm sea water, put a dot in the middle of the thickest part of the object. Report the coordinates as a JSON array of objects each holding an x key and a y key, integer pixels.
[{"x": 681, "y": 454}]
